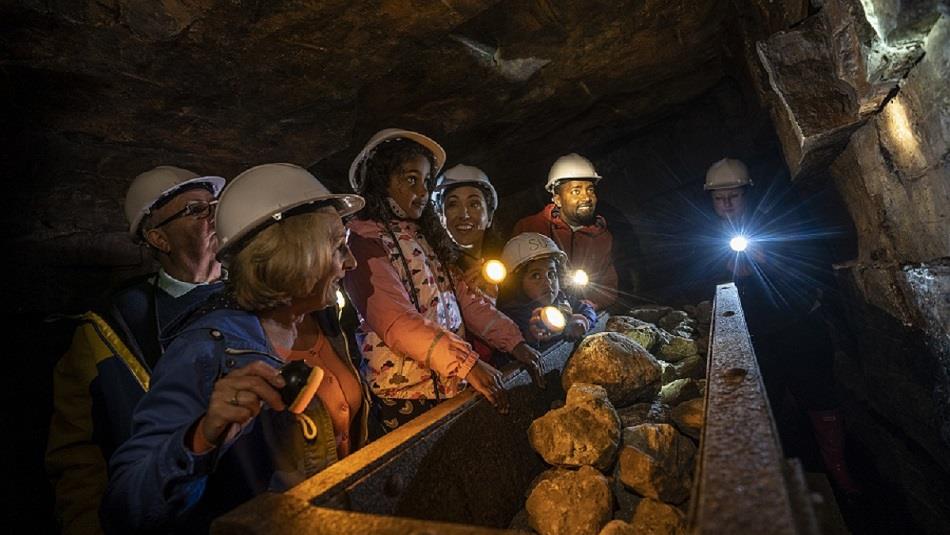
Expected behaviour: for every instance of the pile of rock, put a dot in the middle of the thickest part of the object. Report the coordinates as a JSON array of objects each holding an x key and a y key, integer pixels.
[{"x": 623, "y": 444}]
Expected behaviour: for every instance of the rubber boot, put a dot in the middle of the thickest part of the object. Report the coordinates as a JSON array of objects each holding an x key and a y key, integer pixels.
[{"x": 829, "y": 433}]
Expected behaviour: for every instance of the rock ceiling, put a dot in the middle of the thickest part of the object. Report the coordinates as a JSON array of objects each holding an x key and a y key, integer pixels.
[{"x": 221, "y": 85}]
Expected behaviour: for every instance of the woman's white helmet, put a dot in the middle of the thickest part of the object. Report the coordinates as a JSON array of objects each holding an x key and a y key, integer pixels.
[
  {"x": 463, "y": 174},
  {"x": 727, "y": 173},
  {"x": 264, "y": 194},
  {"x": 159, "y": 183},
  {"x": 528, "y": 246},
  {"x": 358, "y": 167}
]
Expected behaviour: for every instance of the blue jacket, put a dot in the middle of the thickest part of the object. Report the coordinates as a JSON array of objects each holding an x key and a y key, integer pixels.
[
  {"x": 158, "y": 485},
  {"x": 97, "y": 384}
]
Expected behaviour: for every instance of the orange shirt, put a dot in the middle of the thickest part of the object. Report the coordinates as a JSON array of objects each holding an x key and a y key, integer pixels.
[{"x": 339, "y": 391}]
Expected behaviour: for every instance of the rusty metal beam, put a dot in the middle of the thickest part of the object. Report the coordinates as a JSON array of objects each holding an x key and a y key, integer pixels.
[{"x": 742, "y": 483}]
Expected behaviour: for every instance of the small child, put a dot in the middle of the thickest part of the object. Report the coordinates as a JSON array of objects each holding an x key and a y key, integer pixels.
[{"x": 535, "y": 264}]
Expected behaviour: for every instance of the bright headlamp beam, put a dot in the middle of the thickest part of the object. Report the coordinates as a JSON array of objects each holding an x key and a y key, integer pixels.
[{"x": 738, "y": 243}]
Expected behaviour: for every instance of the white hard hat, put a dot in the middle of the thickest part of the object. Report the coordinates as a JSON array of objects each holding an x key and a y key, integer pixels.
[
  {"x": 526, "y": 247},
  {"x": 264, "y": 194},
  {"x": 159, "y": 183},
  {"x": 358, "y": 169},
  {"x": 727, "y": 173},
  {"x": 571, "y": 167},
  {"x": 467, "y": 174}
]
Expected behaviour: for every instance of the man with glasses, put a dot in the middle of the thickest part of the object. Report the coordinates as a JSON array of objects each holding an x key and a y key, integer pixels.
[{"x": 106, "y": 370}]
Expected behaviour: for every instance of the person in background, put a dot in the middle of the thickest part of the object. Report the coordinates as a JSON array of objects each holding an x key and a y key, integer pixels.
[
  {"x": 414, "y": 309},
  {"x": 230, "y": 413},
  {"x": 784, "y": 281},
  {"x": 536, "y": 267},
  {"x": 107, "y": 368},
  {"x": 571, "y": 220}
]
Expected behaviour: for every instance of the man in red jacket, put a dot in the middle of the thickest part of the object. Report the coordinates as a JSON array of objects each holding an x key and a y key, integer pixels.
[{"x": 572, "y": 222}]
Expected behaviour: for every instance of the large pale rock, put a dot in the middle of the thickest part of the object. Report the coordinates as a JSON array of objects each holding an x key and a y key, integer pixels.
[
  {"x": 568, "y": 502},
  {"x": 655, "y": 412},
  {"x": 646, "y": 334},
  {"x": 677, "y": 348},
  {"x": 688, "y": 417},
  {"x": 618, "y": 527},
  {"x": 679, "y": 391},
  {"x": 656, "y": 461},
  {"x": 586, "y": 431},
  {"x": 623, "y": 367},
  {"x": 654, "y": 517}
]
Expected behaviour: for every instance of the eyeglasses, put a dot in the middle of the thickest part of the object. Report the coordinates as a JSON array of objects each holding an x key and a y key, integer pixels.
[{"x": 196, "y": 209}]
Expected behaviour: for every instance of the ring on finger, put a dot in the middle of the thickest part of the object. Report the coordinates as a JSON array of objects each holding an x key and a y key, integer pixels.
[{"x": 234, "y": 399}]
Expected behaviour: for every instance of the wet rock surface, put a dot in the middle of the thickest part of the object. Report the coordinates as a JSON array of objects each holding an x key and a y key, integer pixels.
[
  {"x": 627, "y": 371},
  {"x": 586, "y": 431},
  {"x": 569, "y": 502},
  {"x": 656, "y": 461}
]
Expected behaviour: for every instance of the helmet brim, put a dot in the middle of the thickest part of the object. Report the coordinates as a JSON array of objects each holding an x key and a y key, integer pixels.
[
  {"x": 216, "y": 183},
  {"x": 438, "y": 153},
  {"x": 344, "y": 203}
]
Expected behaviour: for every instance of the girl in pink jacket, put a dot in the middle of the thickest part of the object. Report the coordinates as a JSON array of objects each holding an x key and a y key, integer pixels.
[{"x": 413, "y": 309}]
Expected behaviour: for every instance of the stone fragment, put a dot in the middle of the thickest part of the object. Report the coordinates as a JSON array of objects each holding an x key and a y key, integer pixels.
[
  {"x": 668, "y": 372},
  {"x": 623, "y": 367},
  {"x": 653, "y": 517},
  {"x": 677, "y": 349},
  {"x": 672, "y": 319},
  {"x": 656, "y": 461},
  {"x": 693, "y": 367},
  {"x": 618, "y": 527},
  {"x": 646, "y": 334},
  {"x": 626, "y": 500},
  {"x": 641, "y": 413},
  {"x": 567, "y": 502},
  {"x": 688, "y": 417},
  {"x": 586, "y": 431},
  {"x": 650, "y": 313},
  {"x": 678, "y": 391}
]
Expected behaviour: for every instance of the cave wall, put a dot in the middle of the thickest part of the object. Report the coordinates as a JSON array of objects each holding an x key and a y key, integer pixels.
[
  {"x": 859, "y": 96},
  {"x": 895, "y": 178}
]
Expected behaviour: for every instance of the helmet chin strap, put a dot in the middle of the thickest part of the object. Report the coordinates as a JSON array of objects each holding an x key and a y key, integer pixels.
[{"x": 397, "y": 210}]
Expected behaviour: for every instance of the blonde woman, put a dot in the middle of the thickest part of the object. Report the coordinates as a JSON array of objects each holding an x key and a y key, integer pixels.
[{"x": 221, "y": 423}]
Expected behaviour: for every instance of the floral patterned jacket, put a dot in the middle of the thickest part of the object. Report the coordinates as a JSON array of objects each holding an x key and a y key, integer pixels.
[{"x": 402, "y": 344}]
